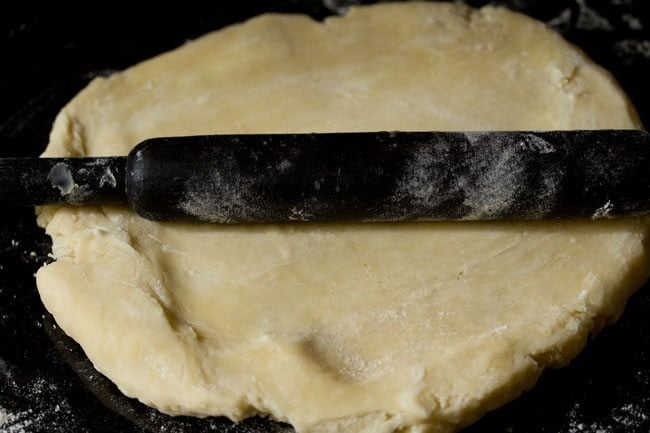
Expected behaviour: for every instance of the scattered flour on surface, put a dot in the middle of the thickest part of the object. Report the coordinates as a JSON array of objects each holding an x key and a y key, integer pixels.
[
  {"x": 604, "y": 211},
  {"x": 17, "y": 422},
  {"x": 49, "y": 409},
  {"x": 629, "y": 417},
  {"x": 631, "y": 50},
  {"x": 562, "y": 22},
  {"x": 589, "y": 19},
  {"x": 632, "y": 22},
  {"x": 339, "y": 7}
]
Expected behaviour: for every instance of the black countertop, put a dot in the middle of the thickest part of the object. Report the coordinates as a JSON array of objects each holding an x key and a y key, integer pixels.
[{"x": 52, "y": 51}]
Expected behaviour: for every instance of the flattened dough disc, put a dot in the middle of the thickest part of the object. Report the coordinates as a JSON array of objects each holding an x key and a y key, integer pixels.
[{"x": 340, "y": 327}]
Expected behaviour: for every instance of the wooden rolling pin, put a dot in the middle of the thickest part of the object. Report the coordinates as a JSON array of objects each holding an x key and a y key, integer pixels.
[{"x": 369, "y": 176}]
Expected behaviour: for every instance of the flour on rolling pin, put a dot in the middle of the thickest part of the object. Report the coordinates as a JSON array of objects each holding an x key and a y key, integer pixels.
[
  {"x": 490, "y": 180},
  {"x": 391, "y": 176}
]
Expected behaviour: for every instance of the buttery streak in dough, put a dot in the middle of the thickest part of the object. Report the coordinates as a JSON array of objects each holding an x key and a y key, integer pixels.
[{"x": 340, "y": 327}]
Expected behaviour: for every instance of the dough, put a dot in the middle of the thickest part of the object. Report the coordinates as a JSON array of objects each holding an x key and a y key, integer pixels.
[{"x": 340, "y": 327}]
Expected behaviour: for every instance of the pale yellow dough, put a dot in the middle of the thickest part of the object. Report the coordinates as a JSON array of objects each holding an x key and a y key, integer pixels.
[{"x": 340, "y": 327}]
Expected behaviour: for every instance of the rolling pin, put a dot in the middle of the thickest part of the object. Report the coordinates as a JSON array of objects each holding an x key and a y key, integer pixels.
[{"x": 367, "y": 176}]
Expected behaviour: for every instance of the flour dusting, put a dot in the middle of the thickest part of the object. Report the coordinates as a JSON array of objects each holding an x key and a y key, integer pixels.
[
  {"x": 589, "y": 19},
  {"x": 631, "y": 50},
  {"x": 339, "y": 7},
  {"x": 108, "y": 178},
  {"x": 225, "y": 194},
  {"x": 604, "y": 211},
  {"x": 418, "y": 183},
  {"x": 17, "y": 422},
  {"x": 628, "y": 417},
  {"x": 632, "y": 22},
  {"x": 217, "y": 202},
  {"x": 60, "y": 177},
  {"x": 497, "y": 186},
  {"x": 535, "y": 143},
  {"x": 562, "y": 22},
  {"x": 492, "y": 178}
]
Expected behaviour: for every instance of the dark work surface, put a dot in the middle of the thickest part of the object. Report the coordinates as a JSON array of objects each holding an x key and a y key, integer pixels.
[{"x": 50, "y": 52}]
